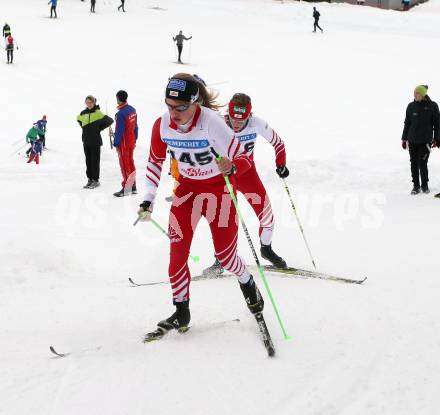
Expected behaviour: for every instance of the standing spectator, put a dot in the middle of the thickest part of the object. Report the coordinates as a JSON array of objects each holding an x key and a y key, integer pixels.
[
  {"x": 421, "y": 131},
  {"x": 126, "y": 133},
  {"x": 92, "y": 6},
  {"x": 10, "y": 49},
  {"x": 41, "y": 124},
  {"x": 53, "y": 8},
  {"x": 179, "y": 41},
  {"x": 6, "y": 30},
  {"x": 92, "y": 122},
  {"x": 316, "y": 16},
  {"x": 122, "y": 6}
]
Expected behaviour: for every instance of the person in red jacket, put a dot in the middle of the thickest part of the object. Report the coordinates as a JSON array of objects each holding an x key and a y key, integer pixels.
[
  {"x": 10, "y": 48},
  {"x": 126, "y": 134}
]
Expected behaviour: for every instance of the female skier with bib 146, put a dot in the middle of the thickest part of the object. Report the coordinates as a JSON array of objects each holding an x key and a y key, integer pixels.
[{"x": 194, "y": 133}]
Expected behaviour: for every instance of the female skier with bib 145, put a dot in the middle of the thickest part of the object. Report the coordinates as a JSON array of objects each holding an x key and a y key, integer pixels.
[{"x": 194, "y": 133}]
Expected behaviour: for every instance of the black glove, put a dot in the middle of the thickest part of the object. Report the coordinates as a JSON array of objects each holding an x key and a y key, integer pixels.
[
  {"x": 145, "y": 205},
  {"x": 282, "y": 171}
]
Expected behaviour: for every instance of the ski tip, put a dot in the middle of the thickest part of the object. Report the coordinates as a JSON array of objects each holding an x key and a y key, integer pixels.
[
  {"x": 51, "y": 348},
  {"x": 362, "y": 280},
  {"x": 131, "y": 281}
]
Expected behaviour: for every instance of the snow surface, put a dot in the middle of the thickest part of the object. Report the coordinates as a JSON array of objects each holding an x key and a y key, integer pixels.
[{"x": 337, "y": 99}]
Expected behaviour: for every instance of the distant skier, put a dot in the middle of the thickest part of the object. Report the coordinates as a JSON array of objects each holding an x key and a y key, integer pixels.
[
  {"x": 36, "y": 151},
  {"x": 316, "y": 16},
  {"x": 421, "y": 132},
  {"x": 179, "y": 42},
  {"x": 6, "y": 30},
  {"x": 10, "y": 49},
  {"x": 53, "y": 8},
  {"x": 41, "y": 124},
  {"x": 92, "y": 121},
  {"x": 92, "y": 6},
  {"x": 122, "y": 6},
  {"x": 32, "y": 136},
  {"x": 126, "y": 134},
  {"x": 247, "y": 128}
]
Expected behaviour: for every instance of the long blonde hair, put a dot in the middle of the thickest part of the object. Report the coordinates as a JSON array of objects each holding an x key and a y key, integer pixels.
[{"x": 207, "y": 98}]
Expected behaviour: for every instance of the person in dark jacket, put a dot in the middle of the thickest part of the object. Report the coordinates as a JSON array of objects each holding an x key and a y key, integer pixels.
[
  {"x": 316, "y": 16},
  {"x": 6, "y": 30},
  {"x": 92, "y": 122},
  {"x": 126, "y": 134},
  {"x": 421, "y": 132},
  {"x": 179, "y": 41}
]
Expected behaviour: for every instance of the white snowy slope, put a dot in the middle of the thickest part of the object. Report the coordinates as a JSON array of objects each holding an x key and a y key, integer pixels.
[{"x": 337, "y": 99}]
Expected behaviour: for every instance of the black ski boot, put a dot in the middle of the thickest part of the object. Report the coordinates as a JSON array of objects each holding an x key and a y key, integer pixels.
[
  {"x": 87, "y": 185},
  {"x": 134, "y": 189},
  {"x": 121, "y": 193},
  {"x": 415, "y": 190},
  {"x": 268, "y": 254},
  {"x": 437, "y": 195},
  {"x": 179, "y": 321},
  {"x": 425, "y": 189},
  {"x": 214, "y": 270},
  {"x": 252, "y": 295}
]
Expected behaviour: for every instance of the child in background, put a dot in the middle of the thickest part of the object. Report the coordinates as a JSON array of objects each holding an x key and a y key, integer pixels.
[
  {"x": 32, "y": 136},
  {"x": 36, "y": 151}
]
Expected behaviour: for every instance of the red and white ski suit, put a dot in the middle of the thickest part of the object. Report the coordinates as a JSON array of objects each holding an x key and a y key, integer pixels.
[
  {"x": 201, "y": 191},
  {"x": 249, "y": 183}
]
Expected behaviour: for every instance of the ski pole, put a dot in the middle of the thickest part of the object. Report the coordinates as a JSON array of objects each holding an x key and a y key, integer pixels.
[
  {"x": 299, "y": 223},
  {"x": 111, "y": 134},
  {"x": 18, "y": 149},
  {"x": 257, "y": 261},
  {"x": 195, "y": 258}
]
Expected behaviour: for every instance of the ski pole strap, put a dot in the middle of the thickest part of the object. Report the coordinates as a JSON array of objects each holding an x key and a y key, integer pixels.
[{"x": 260, "y": 268}]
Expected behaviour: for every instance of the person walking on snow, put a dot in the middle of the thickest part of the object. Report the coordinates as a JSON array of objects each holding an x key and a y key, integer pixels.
[
  {"x": 10, "y": 49},
  {"x": 247, "y": 127},
  {"x": 6, "y": 30},
  {"x": 41, "y": 124},
  {"x": 420, "y": 133},
  {"x": 126, "y": 134},
  {"x": 316, "y": 16},
  {"x": 122, "y": 6},
  {"x": 179, "y": 42},
  {"x": 195, "y": 136},
  {"x": 32, "y": 136},
  {"x": 92, "y": 122},
  {"x": 53, "y": 8},
  {"x": 36, "y": 151}
]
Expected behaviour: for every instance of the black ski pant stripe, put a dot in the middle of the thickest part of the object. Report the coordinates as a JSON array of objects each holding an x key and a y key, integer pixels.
[
  {"x": 93, "y": 157},
  {"x": 419, "y": 155}
]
